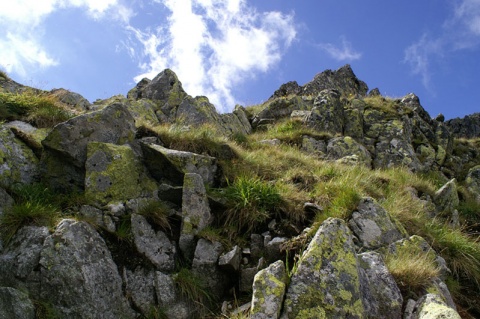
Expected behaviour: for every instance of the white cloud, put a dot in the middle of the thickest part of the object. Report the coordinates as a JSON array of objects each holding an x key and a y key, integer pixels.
[
  {"x": 419, "y": 55},
  {"x": 22, "y": 35},
  {"x": 460, "y": 31},
  {"x": 343, "y": 53},
  {"x": 214, "y": 45}
]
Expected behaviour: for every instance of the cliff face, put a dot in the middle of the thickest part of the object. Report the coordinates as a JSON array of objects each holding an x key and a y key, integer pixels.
[{"x": 155, "y": 206}]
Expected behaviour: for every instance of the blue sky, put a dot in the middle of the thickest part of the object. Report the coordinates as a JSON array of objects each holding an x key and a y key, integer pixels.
[{"x": 241, "y": 51}]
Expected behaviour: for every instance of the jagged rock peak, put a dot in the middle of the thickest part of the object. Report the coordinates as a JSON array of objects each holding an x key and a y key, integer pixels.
[
  {"x": 468, "y": 126},
  {"x": 342, "y": 80}
]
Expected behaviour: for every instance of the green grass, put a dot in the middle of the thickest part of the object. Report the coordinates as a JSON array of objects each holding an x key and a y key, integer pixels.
[
  {"x": 252, "y": 201},
  {"x": 41, "y": 110},
  {"x": 192, "y": 287},
  {"x": 156, "y": 212},
  {"x": 412, "y": 268},
  {"x": 4, "y": 75}
]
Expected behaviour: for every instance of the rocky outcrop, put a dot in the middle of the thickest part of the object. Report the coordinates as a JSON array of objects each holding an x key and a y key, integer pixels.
[
  {"x": 326, "y": 283},
  {"x": 78, "y": 275},
  {"x": 467, "y": 127},
  {"x": 15, "y": 304}
]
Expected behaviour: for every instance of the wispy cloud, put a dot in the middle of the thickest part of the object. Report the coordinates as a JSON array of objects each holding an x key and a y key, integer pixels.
[
  {"x": 213, "y": 45},
  {"x": 460, "y": 31},
  {"x": 21, "y": 47},
  {"x": 344, "y": 52}
]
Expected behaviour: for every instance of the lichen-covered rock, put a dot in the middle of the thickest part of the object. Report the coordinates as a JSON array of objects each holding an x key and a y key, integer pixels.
[
  {"x": 154, "y": 245},
  {"x": 313, "y": 146},
  {"x": 281, "y": 108},
  {"x": 205, "y": 265},
  {"x": 467, "y": 127},
  {"x": 164, "y": 163},
  {"x": 139, "y": 286},
  {"x": 327, "y": 112},
  {"x": 432, "y": 306},
  {"x": 396, "y": 153},
  {"x": 96, "y": 217},
  {"x": 18, "y": 163},
  {"x": 326, "y": 283},
  {"x": 78, "y": 276},
  {"x": 29, "y": 135},
  {"x": 373, "y": 226},
  {"x": 63, "y": 161},
  {"x": 196, "y": 214},
  {"x": 446, "y": 198},
  {"x": 344, "y": 146},
  {"x": 72, "y": 99},
  {"x": 381, "y": 296},
  {"x": 114, "y": 173},
  {"x": 15, "y": 304},
  {"x": 20, "y": 258},
  {"x": 268, "y": 291},
  {"x": 113, "y": 124},
  {"x": 353, "y": 113},
  {"x": 236, "y": 122},
  {"x": 143, "y": 111},
  {"x": 273, "y": 249},
  {"x": 473, "y": 182}
]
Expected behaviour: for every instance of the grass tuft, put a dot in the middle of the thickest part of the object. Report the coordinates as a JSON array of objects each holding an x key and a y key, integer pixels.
[{"x": 157, "y": 212}]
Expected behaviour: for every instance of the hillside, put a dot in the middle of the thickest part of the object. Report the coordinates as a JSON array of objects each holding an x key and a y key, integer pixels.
[{"x": 326, "y": 201}]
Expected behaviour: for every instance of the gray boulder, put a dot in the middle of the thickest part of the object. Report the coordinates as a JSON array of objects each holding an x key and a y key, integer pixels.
[
  {"x": 473, "y": 182},
  {"x": 205, "y": 265},
  {"x": 20, "y": 259},
  {"x": 327, "y": 112},
  {"x": 431, "y": 306},
  {"x": 268, "y": 291},
  {"x": 66, "y": 145},
  {"x": 139, "y": 286},
  {"x": 78, "y": 276},
  {"x": 230, "y": 261},
  {"x": 446, "y": 198},
  {"x": 170, "y": 299},
  {"x": 381, "y": 296},
  {"x": 18, "y": 163},
  {"x": 467, "y": 127},
  {"x": 196, "y": 214},
  {"x": 339, "y": 148},
  {"x": 15, "y": 304},
  {"x": 326, "y": 283},
  {"x": 71, "y": 99},
  {"x": 114, "y": 173},
  {"x": 164, "y": 163},
  {"x": 154, "y": 245},
  {"x": 373, "y": 226}
]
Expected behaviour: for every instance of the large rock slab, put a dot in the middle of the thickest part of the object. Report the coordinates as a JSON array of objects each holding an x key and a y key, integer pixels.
[
  {"x": 113, "y": 124},
  {"x": 205, "y": 265},
  {"x": 20, "y": 259},
  {"x": 170, "y": 299},
  {"x": 164, "y": 163},
  {"x": 18, "y": 163},
  {"x": 268, "y": 291},
  {"x": 382, "y": 298},
  {"x": 139, "y": 286},
  {"x": 373, "y": 226},
  {"x": 473, "y": 182},
  {"x": 154, "y": 245},
  {"x": 78, "y": 276},
  {"x": 196, "y": 214},
  {"x": 114, "y": 173},
  {"x": 327, "y": 112},
  {"x": 15, "y": 304},
  {"x": 326, "y": 283}
]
